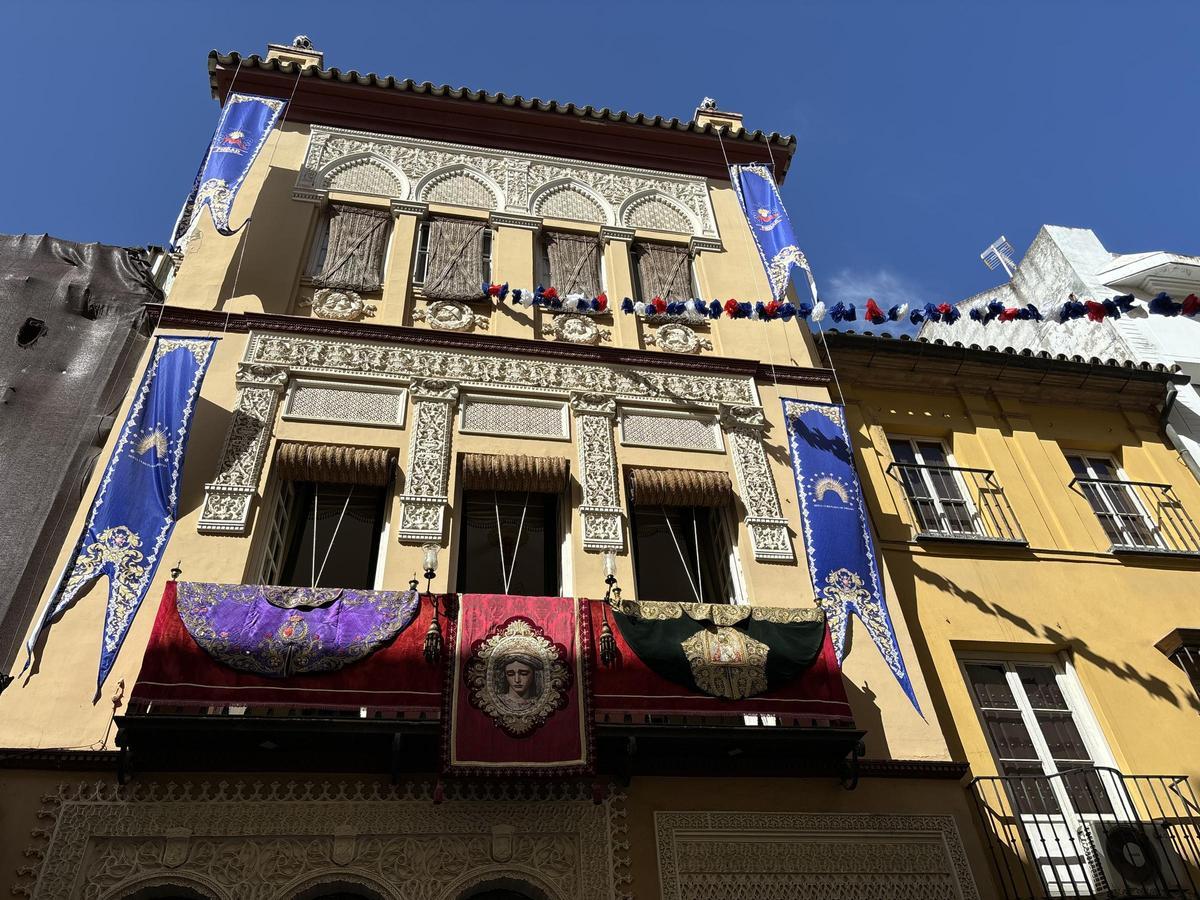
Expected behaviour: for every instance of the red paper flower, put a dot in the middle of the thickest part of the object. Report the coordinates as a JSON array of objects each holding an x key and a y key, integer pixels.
[
  {"x": 731, "y": 308},
  {"x": 874, "y": 313},
  {"x": 945, "y": 309},
  {"x": 1009, "y": 313},
  {"x": 1095, "y": 310},
  {"x": 494, "y": 290},
  {"x": 659, "y": 304},
  {"x": 771, "y": 309},
  {"x": 603, "y": 301},
  {"x": 1191, "y": 305},
  {"x": 550, "y": 293}
]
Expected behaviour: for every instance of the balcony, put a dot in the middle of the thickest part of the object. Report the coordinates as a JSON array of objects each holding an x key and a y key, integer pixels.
[
  {"x": 957, "y": 503},
  {"x": 1140, "y": 516},
  {"x": 384, "y": 714},
  {"x": 1091, "y": 832}
]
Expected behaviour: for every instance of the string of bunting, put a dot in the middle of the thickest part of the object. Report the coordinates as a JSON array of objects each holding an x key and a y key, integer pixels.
[{"x": 696, "y": 310}]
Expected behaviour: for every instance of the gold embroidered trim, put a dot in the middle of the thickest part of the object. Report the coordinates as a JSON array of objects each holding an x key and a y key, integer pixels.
[{"x": 716, "y": 613}]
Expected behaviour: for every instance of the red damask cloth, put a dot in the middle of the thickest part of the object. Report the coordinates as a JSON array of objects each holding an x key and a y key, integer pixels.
[
  {"x": 629, "y": 686},
  {"x": 396, "y": 678},
  {"x": 518, "y": 688}
]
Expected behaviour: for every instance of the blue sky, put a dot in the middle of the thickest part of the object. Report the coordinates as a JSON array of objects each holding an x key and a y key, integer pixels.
[{"x": 925, "y": 129}]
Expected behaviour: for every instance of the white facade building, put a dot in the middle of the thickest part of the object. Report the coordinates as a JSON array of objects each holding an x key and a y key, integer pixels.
[{"x": 1062, "y": 261}]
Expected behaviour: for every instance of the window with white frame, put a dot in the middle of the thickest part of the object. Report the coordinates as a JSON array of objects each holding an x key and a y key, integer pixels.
[
  {"x": 421, "y": 263},
  {"x": 1115, "y": 502},
  {"x": 509, "y": 543},
  {"x": 684, "y": 554},
  {"x": 1037, "y": 725},
  {"x": 571, "y": 263},
  {"x": 940, "y": 502},
  {"x": 661, "y": 270},
  {"x": 349, "y": 249}
]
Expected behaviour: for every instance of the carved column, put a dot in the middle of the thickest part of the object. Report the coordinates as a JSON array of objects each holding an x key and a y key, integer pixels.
[
  {"x": 427, "y": 482},
  {"x": 769, "y": 538},
  {"x": 228, "y": 496},
  {"x": 603, "y": 522}
]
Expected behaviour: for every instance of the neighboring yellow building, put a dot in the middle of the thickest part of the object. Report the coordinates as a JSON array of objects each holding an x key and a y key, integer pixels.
[
  {"x": 1038, "y": 532},
  {"x": 361, "y": 383}
]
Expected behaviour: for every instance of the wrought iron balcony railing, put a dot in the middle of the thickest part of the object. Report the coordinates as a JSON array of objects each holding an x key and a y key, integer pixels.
[
  {"x": 1140, "y": 516},
  {"x": 957, "y": 503},
  {"x": 1091, "y": 832}
]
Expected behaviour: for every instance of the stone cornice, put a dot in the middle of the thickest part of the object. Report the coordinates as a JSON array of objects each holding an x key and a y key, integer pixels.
[{"x": 180, "y": 317}]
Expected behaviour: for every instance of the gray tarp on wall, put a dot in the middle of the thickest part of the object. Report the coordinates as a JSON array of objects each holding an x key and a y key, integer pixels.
[{"x": 58, "y": 395}]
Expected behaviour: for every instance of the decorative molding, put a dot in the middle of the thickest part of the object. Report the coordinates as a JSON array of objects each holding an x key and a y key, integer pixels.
[
  {"x": 238, "y": 840},
  {"x": 705, "y": 244},
  {"x": 670, "y": 429},
  {"x": 227, "y": 498},
  {"x": 510, "y": 368},
  {"x": 675, "y": 337},
  {"x": 344, "y": 403},
  {"x": 310, "y": 195},
  {"x": 515, "y": 416},
  {"x": 616, "y": 233},
  {"x": 601, "y": 513},
  {"x": 427, "y": 480},
  {"x": 769, "y": 537},
  {"x": 746, "y": 855},
  {"x": 449, "y": 315},
  {"x": 409, "y": 208},
  {"x": 513, "y": 183},
  {"x": 576, "y": 329},
  {"x": 339, "y": 305},
  {"x": 514, "y": 220}
]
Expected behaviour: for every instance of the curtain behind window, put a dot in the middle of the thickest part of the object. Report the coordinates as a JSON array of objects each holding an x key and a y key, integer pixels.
[
  {"x": 574, "y": 263},
  {"x": 454, "y": 270},
  {"x": 663, "y": 271},
  {"x": 355, "y": 248}
]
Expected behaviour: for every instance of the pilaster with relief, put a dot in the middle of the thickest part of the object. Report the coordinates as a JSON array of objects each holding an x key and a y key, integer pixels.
[
  {"x": 426, "y": 483},
  {"x": 769, "y": 538},
  {"x": 227, "y": 498},
  {"x": 603, "y": 522}
]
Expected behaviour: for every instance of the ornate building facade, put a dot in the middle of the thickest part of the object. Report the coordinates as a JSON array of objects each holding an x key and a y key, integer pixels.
[{"x": 371, "y": 419}]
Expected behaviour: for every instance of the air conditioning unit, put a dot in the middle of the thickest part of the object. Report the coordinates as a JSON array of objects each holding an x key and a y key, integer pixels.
[{"x": 1133, "y": 859}]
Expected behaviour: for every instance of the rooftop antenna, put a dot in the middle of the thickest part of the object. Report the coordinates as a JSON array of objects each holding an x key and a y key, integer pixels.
[{"x": 999, "y": 253}]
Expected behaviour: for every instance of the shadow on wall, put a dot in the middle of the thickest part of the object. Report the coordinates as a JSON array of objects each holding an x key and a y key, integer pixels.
[
  {"x": 209, "y": 425},
  {"x": 868, "y": 718}
]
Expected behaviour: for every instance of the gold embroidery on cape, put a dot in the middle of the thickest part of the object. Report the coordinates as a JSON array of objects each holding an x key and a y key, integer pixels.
[
  {"x": 518, "y": 677},
  {"x": 727, "y": 663},
  {"x": 716, "y": 613}
]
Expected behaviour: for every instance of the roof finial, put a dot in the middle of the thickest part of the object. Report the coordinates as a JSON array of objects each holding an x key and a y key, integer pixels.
[
  {"x": 302, "y": 42},
  {"x": 707, "y": 103}
]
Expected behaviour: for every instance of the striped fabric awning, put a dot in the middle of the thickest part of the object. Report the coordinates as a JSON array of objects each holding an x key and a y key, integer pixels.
[
  {"x": 678, "y": 487},
  {"x": 511, "y": 472},
  {"x": 334, "y": 463}
]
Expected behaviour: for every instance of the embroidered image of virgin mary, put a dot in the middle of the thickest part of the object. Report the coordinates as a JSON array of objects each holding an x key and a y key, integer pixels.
[{"x": 518, "y": 677}]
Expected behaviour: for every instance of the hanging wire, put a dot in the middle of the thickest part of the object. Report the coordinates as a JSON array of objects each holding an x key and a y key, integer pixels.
[
  {"x": 312, "y": 571},
  {"x": 696, "y": 543},
  {"x": 506, "y": 570},
  {"x": 721, "y": 141},
  {"x": 336, "y": 529},
  {"x": 682, "y": 558}
]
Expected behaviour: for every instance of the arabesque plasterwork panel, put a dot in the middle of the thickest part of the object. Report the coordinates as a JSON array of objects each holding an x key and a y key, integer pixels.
[
  {"x": 793, "y": 856},
  {"x": 600, "y": 512},
  {"x": 505, "y": 181},
  {"x": 427, "y": 479},
  {"x": 267, "y": 841},
  {"x": 769, "y": 537}
]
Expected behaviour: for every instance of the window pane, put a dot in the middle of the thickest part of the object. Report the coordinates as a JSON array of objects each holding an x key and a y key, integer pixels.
[
  {"x": 1030, "y": 790},
  {"x": 902, "y": 452},
  {"x": 667, "y": 556},
  {"x": 1009, "y": 735},
  {"x": 932, "y": 453},
  {"x": 345, "y": 521},
  {"x": 1103, "y": 468},
  {"x": 1041, "y": 686},
  {"x": 530, "y": 550},
  {"x": 1079, "y": 466},
  {"x": 1087, "y": 789},
  {"x": 1062, "y": 736},
  {"x": 990, "y": 685}
]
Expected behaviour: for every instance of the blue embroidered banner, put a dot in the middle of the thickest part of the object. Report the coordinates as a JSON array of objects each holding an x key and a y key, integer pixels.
[
  {"x": 770, "y": 226},
  {"x": 837, "y": 534},
  {"x": 245, "y": 123},
  {"x": 134, "y": 510}
]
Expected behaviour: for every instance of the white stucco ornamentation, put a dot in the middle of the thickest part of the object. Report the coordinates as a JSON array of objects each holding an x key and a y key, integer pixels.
[
  {"x": 341, "y": 306},
  {"x": 603, "y": 520},
  {"x": 769, "y": 538},
  {"x": 575, "y": 329},
  {"x": 261, "y": 842},
  {"x": 426, "y": 481},
  {"x": 675, "y": 337},
  {"x": 450, "y": 315},
  {"x": 505, "y": 181}
]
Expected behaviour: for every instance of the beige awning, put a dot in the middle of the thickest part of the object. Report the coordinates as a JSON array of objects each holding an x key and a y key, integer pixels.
[
  {"x": 334, "y": 463},
  {"x": 511, "y": 472},
  {"x": 678, "y": 487}
]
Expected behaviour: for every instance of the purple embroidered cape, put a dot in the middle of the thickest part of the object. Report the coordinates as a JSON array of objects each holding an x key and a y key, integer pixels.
[{"x": 282, "y": 631}]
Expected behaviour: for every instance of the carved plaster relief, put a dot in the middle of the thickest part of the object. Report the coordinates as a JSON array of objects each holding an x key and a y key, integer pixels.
[
  {"x": 769, "y": 536},
  {"x": 339, "y": 305},
  {"x": 675, "y": 337},
  {"x": 749, "y": 856},
  {"x": 426, "y": 483},
  {"x": 392, "y": 362},
  {"x": 603, "y": 520},
  {"x": 410, "y": 169},
  {"x": 575, "y": 329},
  {"x": 263, "y": 842},
  {"x": 450, "y": 315},
  {"x": 228, "y": 496}
]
